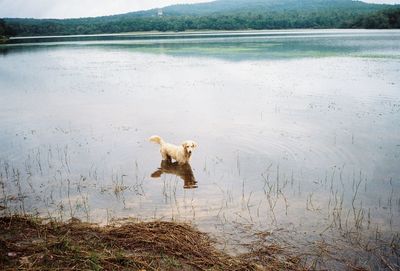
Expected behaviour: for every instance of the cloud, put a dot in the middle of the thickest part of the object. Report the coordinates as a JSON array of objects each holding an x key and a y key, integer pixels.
[
  {"x": 90, "y": 8},
  {"x": 78, "y": 8}
]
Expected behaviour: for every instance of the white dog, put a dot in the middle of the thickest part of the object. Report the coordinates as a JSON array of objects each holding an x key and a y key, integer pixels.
[{"x": 181, "y": 153}]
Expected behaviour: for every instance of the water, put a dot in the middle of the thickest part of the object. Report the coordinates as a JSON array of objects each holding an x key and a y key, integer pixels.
[{"x": 298, "y": 133}]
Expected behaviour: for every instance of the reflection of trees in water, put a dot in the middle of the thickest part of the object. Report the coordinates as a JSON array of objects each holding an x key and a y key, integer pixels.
[
  {"x": 184, "y": 172},
  {"x": 238, "y": 46}
]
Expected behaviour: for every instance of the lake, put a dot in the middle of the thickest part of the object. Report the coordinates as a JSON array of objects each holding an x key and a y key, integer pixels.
[{"x": 298, "y": 134}]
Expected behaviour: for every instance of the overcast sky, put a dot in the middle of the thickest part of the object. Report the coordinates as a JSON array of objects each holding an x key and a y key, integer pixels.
[{"x": 90, "y": 8}]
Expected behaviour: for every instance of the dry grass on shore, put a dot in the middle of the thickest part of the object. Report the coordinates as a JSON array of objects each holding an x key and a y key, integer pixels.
[{"x": 30, "y": 244}]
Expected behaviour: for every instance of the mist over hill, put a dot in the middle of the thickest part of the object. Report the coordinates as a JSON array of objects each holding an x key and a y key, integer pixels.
[{"x": 222, "y": 15}]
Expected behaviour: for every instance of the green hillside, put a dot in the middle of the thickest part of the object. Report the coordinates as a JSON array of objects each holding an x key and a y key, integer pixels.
[{"x": 233, "y": 6}]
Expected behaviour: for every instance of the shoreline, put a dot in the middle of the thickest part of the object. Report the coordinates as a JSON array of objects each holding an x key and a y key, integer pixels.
[
  {"x": 30, "y": 243},
  {"x": 3, "y": 40},
  {"x": 206, "y": 32}
]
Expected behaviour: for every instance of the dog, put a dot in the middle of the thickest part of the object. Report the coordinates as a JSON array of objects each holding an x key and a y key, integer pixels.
[
  {"x": 180, "y": 154},
  {"x": 184, "y": 171}
]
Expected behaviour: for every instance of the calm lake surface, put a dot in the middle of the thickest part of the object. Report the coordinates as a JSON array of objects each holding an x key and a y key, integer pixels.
[{"x": 298, "y": 133}]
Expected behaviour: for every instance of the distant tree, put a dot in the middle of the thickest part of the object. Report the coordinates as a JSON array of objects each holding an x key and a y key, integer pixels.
[
  {"x": 2, "y": 28},
  {"x": 378, "y": 20},
  {"x": 5, "y": 30},
  {"x": 393, "y": 18}
]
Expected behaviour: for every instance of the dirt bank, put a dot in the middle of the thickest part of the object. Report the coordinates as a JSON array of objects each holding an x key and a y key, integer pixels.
[{"x": 28, "y": 243}]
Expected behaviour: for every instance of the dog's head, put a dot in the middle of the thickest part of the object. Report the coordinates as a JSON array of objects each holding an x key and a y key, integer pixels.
[{"x": 189, "y": 146}]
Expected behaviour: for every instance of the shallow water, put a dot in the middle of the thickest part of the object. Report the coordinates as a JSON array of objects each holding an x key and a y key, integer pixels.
[{"x": 298, "y": 133}]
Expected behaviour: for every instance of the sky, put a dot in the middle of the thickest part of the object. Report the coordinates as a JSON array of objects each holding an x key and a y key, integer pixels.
[{"x": 91, "y": 8}]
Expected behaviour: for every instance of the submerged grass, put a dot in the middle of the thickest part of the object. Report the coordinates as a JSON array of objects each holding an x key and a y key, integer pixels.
[{"x": 28, "y": 243}]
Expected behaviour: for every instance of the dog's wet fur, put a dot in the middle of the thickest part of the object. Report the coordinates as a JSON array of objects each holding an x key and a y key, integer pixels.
[{"x": 169, "y": 152}]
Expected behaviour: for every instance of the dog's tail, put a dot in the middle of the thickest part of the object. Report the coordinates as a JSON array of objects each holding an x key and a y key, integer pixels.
[{"x": 156, "y": 139}]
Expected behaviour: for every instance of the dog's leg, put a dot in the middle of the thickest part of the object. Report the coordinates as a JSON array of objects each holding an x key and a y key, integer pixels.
[{"x": 165, "y": 155}]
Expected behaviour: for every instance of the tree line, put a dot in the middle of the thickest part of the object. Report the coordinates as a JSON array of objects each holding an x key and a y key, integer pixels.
[
  {"x": 331, "y": 18},
  {"x": 5, "y": 29}
]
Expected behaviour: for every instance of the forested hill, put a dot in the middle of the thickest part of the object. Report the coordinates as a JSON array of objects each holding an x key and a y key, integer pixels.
[
  {"x": 222, "y": 15},
  {"x": 234, "y": 6}
]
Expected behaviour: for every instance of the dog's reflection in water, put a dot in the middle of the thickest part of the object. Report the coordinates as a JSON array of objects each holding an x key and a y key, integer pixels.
[{"x": 183, "y": 171}]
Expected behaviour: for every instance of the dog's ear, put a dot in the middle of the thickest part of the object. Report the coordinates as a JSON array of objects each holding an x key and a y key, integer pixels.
[{"x": 189, "y": 143}]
